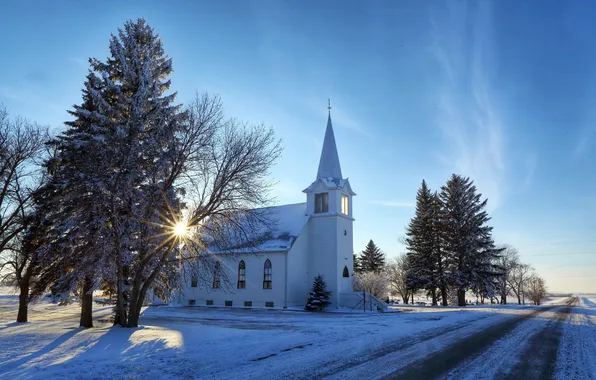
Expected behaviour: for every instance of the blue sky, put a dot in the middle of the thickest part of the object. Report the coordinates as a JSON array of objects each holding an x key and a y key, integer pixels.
[{"x": 503, "y": 92}]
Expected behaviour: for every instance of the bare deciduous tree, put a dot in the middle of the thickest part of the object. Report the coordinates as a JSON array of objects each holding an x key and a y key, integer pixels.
[
  {"x": 223, "y": 170},
  {"x": 372, "y": 282},
  {"x": 397, "y": 272},
  {"x": 536, "y": 289},
  {"x": 508, "y": 261},
  {"x": 21, "y": 150},
  {"x": 518, "y": 279}
]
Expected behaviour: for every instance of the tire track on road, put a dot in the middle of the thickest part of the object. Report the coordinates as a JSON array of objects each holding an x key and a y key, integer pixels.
[
  {"x": 441, "y": 362},
  {"x": 335, "y": 368},
  {"x": 508, "y": 357},
  {"x": 576, "y": 358},
  {"x": 539, "y": 358}
]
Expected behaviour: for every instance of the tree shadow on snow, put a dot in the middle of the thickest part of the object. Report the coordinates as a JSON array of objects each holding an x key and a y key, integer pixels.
[
  {"x": 44, "y": 350},
  {"x": 116, "y": 342},
  {"x": 13, "y": 324}
]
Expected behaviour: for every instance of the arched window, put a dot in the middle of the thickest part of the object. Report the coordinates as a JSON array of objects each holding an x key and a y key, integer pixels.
[
  {"x": 241, "y": 275},
  {"x": 216, "y": 272},
  {"x": 194, "y": 281},
  {"x": 267, "y": 275},
  {"x": 346, "y": 272}
]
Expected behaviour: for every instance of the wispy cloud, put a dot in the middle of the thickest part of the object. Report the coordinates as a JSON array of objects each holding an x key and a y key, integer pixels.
[
  {"x": 340, "y": 117},
  {"x": 468, "y": 118},
  {"x": 343, "y": 120},
  {"x": 394, "y": 204},
  {"x": 584, "y": 143},
  {"x": 530, "y": 164}
]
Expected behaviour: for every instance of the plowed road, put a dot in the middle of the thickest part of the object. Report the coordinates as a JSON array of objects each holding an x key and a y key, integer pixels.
[{"x": 544, "y": 343}]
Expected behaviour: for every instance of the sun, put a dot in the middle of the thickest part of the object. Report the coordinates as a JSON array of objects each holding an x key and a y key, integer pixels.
[{"x": 180, "y": 229}]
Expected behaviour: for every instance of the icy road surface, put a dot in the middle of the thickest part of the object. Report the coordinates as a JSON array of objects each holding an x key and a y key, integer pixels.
[{"x": 553, "y": 341}]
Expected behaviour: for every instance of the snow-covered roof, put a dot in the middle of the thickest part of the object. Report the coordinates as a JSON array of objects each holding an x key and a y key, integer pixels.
[
  {"x": 331, "y": 183},
  {"x": 284, "y": 224},
  {"x": 329, "y": 162}
]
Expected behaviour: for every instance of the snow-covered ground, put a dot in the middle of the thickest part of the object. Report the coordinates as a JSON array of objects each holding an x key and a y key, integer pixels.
[{"x": 236, "y": 343}]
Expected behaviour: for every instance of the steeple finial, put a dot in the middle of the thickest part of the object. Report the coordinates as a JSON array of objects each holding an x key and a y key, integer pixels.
[{"x": 329, "y": 105}]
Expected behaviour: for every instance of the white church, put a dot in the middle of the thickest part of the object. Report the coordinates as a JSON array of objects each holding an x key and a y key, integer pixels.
[{"x": 310, "y": 238}]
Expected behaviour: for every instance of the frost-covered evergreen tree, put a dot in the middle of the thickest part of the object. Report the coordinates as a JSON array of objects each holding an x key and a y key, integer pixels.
[
  {"x": 68, "y": 208},
  {"x": 372, "y": 259},
  {"x": 140, "y": 129},
  {"x": 441, "y": 277},
  {"x": 114, "y": 172},
  {"x": 424, "y": 257},
  {"x": 319, "y": 295},
  {"x": 125, "y": 162},
  {"x": 468, "y": 244}
]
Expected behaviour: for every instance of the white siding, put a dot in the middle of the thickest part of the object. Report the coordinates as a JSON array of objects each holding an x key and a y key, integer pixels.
[
  {"x": 298, "y": 280},
  {"x": 322, "y": 249},
  {"x": 253, "y": 292}
]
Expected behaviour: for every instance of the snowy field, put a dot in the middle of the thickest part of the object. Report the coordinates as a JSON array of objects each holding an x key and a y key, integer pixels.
[{"x": 234, "y": 343}]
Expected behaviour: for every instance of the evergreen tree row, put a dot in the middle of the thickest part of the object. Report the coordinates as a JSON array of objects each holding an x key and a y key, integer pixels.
[{"x": 449, "y": 243}]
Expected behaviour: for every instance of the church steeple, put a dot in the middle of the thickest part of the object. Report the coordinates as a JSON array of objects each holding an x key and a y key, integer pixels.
[{"x": 329, "y": 162}]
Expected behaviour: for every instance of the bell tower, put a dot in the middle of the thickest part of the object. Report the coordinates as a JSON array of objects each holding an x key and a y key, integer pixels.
[{"x": 329, "y": 204}]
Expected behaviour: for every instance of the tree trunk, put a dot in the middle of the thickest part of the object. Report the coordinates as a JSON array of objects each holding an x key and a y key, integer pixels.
[
  {"x": 24, "y": 299},
  {"x": 133, "y": 318},
  {"x": 444, "y": 295},
  {"x": 523, "y": 297},
  {"x": 120, "y": 308},
  {"x": 413, "y": 297},
  {"x": 87, "y": 303},
  {"x": 133, "y": 315},
  {"x": 461, "y": 297},
  {"x": 140, "y": 288},
  {"x": 503, "y": 298},
  {"x": 434, "y": 296}
]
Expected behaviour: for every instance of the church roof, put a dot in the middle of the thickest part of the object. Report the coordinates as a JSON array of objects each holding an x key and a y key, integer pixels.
[
  {"x": 283, "y": 226},
  {"x": 329, "y": 162},
  {"x": 331, "y": 183}
]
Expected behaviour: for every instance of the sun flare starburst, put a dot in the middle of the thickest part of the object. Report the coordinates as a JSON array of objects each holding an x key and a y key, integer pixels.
[{"x": 180, "y": 229}]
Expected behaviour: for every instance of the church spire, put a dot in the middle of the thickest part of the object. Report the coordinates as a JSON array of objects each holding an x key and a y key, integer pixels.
[{"x": 329, "y": 162}]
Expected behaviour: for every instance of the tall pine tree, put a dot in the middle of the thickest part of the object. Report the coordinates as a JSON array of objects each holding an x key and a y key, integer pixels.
[
  {"x": 468, "y": 244},
  {"x": 422, "y": 242},
  {"x": 372, "y": 259},
  {"x": 67, "y": 206},
  {"x": 441, "y": 280},
  {"x": 114, "y": 175}
]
